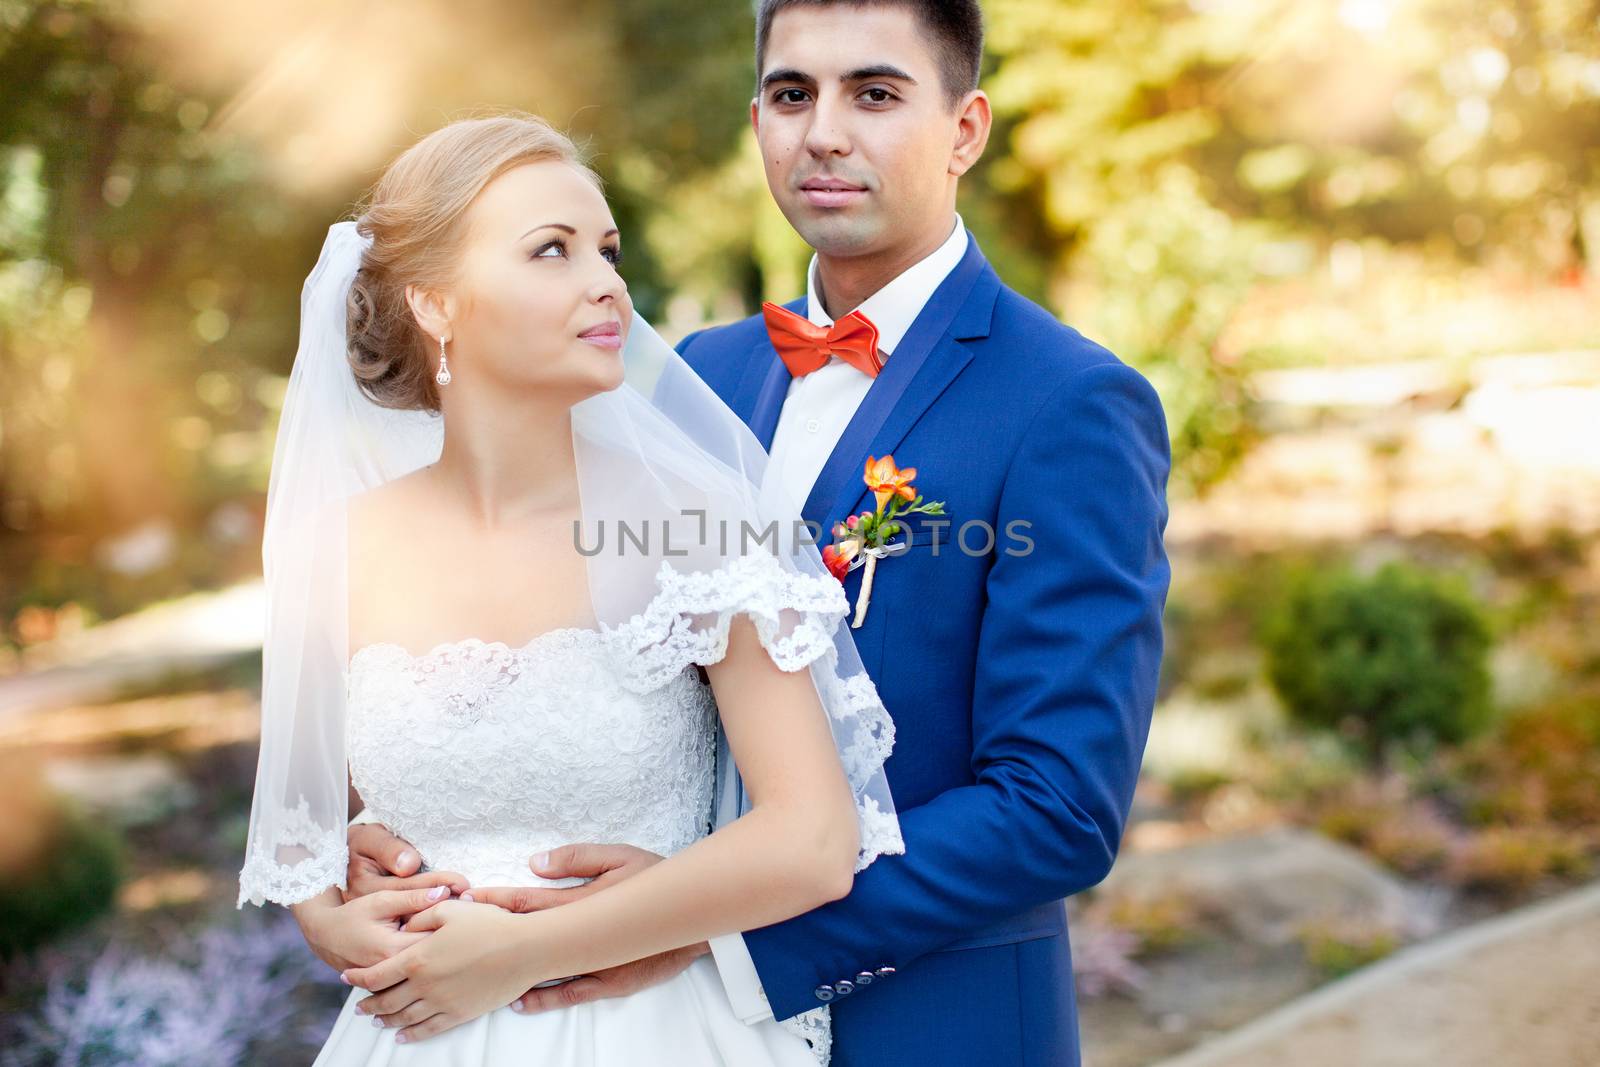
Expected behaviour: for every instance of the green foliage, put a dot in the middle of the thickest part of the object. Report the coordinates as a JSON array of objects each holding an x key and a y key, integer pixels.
[
  {"x": 1541, "y": 766},
  {"x": 1338, "y": 949},
  {"x": 1512, "y": 860},
  {"x": 1161, "y": 923},
  {"x": 74, "y": 882},
  {"x": 1158, "y": 174},
  {"x": 1400, "y": 656},
  {"x": 1164, "y": 273}
]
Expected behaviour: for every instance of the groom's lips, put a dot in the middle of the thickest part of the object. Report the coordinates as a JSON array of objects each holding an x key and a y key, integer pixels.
[{"x": 829, "y": 192}]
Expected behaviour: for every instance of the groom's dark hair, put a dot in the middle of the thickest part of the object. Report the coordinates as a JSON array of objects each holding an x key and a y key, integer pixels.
[{"x": 955, "y": 26}]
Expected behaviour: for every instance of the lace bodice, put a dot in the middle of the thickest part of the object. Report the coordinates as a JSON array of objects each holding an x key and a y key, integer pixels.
[{"x": 481, "y": 755}]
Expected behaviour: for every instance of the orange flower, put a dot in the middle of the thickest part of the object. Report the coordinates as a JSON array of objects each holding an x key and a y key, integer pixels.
[
  {"x": 886, "y": 480},
  {"x": 838, "y": 565}
]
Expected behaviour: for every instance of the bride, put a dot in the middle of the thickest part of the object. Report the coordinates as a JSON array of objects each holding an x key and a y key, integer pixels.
[{"x": 521, "y": 563}]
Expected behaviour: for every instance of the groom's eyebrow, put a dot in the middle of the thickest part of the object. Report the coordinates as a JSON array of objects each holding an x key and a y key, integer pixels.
[
  {"x": 790, "y": 76},
  {"x": 877, "y": 70}
]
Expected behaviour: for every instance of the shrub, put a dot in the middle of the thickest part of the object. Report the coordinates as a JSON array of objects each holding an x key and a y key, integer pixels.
[
  {"x": 1510, "y": 861},
  {"x": 228, "y": 997},
  {"x": 1161, "y": 923},
  {"x": 1541, "y": 766},
  {"x": 1400, "y": 656},
  {"x": 59, "y": 869},
  {"x": 1336, "y": 949},
  {"x": 1103, "y": 959}
]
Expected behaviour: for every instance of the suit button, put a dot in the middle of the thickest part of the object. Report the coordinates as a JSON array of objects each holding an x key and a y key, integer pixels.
[
  {"x": 864, "y": 978},
  {"x": 824, "y": 993},
  {"x": 884, "y": 972},
  {"x": 844, "y": 989}
]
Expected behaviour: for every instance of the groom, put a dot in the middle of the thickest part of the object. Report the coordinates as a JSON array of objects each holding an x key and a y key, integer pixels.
[{"x": 1016, "y": 644}]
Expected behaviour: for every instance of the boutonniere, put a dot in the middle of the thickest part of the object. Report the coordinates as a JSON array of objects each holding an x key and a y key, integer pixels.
[{"x": 861, "y": 540}]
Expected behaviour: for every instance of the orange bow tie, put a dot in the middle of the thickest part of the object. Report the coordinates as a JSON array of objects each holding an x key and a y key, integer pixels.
[{"x": 804, "y": 346}]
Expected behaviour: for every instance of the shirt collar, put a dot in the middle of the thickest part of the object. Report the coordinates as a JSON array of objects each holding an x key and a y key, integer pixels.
[{"x": 896, "y": 306}]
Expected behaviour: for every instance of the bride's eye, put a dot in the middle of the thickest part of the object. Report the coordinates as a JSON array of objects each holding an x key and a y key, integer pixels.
[
  {"x": 613, "y": 254},
  {"x": 560, "y": 248}
]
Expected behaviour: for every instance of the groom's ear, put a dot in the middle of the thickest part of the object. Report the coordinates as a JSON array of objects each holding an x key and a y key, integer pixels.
[
  {"x": 973, "y": 122},
  {"x": 755, "y": 115},
  {"x": 432, "y": 310}
]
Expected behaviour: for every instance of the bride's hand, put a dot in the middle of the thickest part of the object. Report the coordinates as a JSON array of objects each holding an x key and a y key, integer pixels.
[
  {"x": 606, "y": 865},
  {"x": 366, "y": 930},
  {"x": 471, "y": 959}
]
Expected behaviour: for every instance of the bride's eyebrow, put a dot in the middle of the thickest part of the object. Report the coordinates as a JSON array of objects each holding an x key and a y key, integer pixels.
[{"x": 568, "y": 230}]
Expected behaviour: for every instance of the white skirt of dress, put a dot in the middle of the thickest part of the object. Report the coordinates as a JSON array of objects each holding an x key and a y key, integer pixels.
[{"x": 683, "y": 1022}]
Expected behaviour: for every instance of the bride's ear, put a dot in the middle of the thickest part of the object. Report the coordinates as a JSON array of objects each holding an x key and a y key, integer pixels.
[{"x": 432, "y": 310}]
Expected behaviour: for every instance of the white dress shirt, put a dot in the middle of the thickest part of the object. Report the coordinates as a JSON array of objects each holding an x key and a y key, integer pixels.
[{"x": 816, "y": 410}]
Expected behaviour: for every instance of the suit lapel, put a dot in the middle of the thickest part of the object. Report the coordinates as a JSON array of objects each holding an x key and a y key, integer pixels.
[
  {"x": 927, "y": 360},
  {"x": 758, "y": 398}
]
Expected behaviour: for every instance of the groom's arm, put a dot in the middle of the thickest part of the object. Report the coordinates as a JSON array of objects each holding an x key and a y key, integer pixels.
[{"x": 1068, "y": 654}]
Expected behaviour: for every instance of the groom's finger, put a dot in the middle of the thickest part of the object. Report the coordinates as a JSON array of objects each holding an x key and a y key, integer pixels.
[
  {"x": 529, "y": 898},
  {"x": 567, "y": 994},
  {"x": 392, "y": 853},
  {"x": 586, "y": 860}
]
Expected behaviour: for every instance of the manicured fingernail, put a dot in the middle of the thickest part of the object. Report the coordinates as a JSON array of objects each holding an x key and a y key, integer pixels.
[
  {"x": 377, "y": 1022},
  {"x": 467, "y": 897},
  {"x": 401, "y": 1038},
  {"x": 438, "y": 892},
  {"x": 516, "y": 1006},
  {"x": 405, "y": 858},
  {"x": 345, "y": 978},
  {"x": 542, "y": 860}
]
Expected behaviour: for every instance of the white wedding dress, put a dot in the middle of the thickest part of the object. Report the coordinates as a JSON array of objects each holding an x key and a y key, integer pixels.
[{"x": 482, "y": 755}]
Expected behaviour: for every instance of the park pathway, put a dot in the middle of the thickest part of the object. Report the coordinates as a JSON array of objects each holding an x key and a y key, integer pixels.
[{"x": 1520, "y": 990}]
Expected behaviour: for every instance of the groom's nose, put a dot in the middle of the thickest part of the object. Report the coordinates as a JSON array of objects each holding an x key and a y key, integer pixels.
[{"x": 828, "y": 133}]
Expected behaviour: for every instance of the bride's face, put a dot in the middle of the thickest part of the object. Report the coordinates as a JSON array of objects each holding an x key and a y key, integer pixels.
[{"x": 538, "y": 303}]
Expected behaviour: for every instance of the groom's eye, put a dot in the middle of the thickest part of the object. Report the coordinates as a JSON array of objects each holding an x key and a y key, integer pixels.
[
  {"x": 879, "y": 96},
  {"x": 789, "y": 96}
]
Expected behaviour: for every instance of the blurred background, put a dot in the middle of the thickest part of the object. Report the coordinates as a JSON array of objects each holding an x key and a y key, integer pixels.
[{"x": 1354, "y": 243}]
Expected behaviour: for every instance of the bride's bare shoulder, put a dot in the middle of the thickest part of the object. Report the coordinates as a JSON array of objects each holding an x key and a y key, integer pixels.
[
  {"x": 376, "y": 514},
  {"x": 398, "y": 494}
]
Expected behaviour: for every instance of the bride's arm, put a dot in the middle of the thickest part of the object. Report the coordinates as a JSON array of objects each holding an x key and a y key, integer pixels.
[{"x": 794, "y": 851}]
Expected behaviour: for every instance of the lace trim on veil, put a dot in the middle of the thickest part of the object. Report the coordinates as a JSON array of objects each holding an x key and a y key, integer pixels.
[{"x": 266, "y": 877}]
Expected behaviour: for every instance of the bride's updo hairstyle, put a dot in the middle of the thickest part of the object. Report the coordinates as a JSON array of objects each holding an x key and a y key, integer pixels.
[{"x": 415, "y": 217}]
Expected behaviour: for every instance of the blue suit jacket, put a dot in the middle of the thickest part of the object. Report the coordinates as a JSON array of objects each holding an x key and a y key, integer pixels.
[{"x": 1021, "y": 674}]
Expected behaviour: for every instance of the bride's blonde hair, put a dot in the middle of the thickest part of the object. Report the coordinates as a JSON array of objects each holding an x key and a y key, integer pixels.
[{"x": 414, "y": 217}]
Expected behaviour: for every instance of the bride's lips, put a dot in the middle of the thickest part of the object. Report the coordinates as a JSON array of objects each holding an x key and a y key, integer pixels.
[
  {"x": 605, "y": 335},
  {"x": 831, "y": 192}
]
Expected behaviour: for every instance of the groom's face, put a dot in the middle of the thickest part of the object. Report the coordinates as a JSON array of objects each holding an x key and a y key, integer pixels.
[{"x": 856, "y": 131}]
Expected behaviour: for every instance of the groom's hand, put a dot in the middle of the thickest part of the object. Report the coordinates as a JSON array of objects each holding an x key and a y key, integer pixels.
[
  {"x": 613, "y": 982},
  {"x": 381, "y": 861},
  {"x": 605, "y": 865}
]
